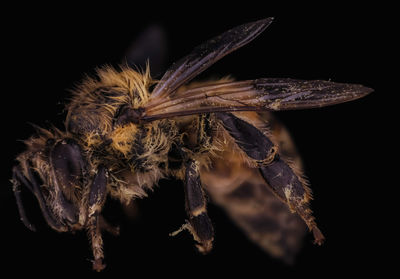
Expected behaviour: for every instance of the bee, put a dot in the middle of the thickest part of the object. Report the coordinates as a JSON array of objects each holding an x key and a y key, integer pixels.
[{"x": 124, "y": 131}]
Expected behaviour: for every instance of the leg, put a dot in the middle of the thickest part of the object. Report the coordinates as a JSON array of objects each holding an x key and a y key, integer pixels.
[
  {"x": 284, "y": 182},
  {"x": 199, "y": 223},
  {"x": 97, "y": 197},
  {"x": 242, "y": 192}
]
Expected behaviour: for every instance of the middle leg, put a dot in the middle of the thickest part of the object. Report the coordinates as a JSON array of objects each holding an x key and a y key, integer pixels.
[{"x": 199, "y": 224}]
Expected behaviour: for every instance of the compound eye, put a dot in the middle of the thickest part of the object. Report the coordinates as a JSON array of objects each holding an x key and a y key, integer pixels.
[{"x": 68, "y": 165}]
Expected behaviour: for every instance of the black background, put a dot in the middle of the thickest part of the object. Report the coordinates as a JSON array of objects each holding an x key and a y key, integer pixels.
[{"x": 49, "y": 48}]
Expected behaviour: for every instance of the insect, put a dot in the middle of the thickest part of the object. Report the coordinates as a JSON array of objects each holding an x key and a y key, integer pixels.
[{"x": 124, "y": 131}]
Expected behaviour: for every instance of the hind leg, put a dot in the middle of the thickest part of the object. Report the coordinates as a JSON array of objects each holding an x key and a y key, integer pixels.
[{"x": 279, "y": 175}]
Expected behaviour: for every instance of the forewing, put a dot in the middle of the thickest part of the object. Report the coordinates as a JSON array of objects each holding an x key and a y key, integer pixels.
[
  {"x": 150, "y": 47},
  {"x": 205, "y": 55},
  {"x": 269, "y": 94}
]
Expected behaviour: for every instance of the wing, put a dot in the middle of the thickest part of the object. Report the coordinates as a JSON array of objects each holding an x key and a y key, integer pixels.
[
  {"x": 269, "y": 94},
  {"x": 246, "y": 198},
  {"x": 150, "y": 46},
  {"x": 205, "y": 55}
]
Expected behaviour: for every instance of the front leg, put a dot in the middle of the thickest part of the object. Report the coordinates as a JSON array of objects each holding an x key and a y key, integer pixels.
[
  {"x": 282, "y": 179},
  {"x": 199, "y": 224},
  {"x": 97, "y": 197}
]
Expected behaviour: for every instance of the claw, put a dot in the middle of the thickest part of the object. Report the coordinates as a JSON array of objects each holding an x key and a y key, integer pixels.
[
  {"x": 319, "y": 238},
  {"x": 98, "y": 265},
  {"x": 205, "y": 247}
]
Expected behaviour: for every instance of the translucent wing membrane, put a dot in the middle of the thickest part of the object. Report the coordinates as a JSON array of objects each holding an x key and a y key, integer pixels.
[
  {"x": 150, "y": 46},
  {"x": 205, "y": 55},
  {"x": 253, "y": 95}
]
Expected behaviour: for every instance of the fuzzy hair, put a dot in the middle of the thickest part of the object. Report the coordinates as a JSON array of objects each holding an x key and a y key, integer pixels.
[
  {"x": 91, "y": 112},
  {"x": 96, "y": 100}
]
